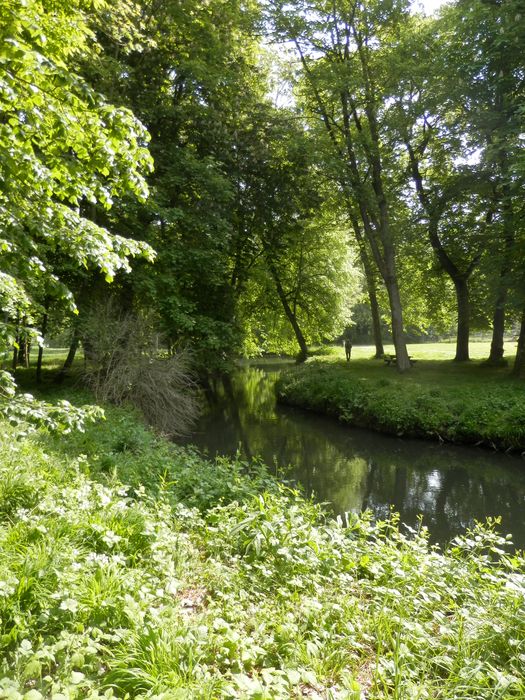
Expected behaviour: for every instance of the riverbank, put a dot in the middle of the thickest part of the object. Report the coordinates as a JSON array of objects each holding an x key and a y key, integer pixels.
[
  {"x": 131, "y": 567},
  {"x": 439, "y": 400}
]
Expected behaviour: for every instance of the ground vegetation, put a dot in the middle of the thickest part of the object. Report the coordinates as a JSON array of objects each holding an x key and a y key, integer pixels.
[
  {"x": 464, "y": 404},
  {"x": 132, "y": 567}
]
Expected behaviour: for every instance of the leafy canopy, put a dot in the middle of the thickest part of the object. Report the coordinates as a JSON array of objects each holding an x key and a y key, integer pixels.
[{"x": 63, "y": 146}]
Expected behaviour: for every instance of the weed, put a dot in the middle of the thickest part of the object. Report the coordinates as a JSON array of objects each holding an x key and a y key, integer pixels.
[{"x": 175, "y": 577}]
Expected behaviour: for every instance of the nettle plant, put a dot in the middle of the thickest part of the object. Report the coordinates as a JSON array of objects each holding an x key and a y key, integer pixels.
[{"x": 64, "y": 149}]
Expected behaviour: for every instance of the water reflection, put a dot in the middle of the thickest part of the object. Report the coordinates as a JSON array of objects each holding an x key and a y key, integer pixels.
[{"x": 353, "y": 469}]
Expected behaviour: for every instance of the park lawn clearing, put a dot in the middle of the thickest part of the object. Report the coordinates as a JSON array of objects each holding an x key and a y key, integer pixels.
[
  {"x": 133, "y": 568},
  {"x": 438, "y": 399}
]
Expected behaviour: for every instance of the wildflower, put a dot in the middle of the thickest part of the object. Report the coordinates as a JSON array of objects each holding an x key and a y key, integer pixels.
[{"x": 69, "y": 604}]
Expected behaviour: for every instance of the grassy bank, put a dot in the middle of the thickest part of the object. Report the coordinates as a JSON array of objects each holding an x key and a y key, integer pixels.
[
  {"x": 438, "y": 399},
  {"x": 132, "y": 568}
]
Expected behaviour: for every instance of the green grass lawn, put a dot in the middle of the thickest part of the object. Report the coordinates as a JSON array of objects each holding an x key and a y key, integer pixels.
[
  {"x": 465, "y": 402},
  {"x": 434, "y": 360},
  {"x": 52, "y": 362},
  {"x": 435, "y": 352}
]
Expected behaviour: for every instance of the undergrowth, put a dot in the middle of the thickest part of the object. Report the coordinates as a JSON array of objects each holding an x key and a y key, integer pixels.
[
  {"x": 371, "y": 395},
  {"x": 132, "y": 568}
]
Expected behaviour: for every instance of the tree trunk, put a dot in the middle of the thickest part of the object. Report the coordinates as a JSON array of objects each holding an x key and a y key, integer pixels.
[
  {"x": 72, "y": 351},
  {"x": 498, "y": 324},
  {"x": 75, "y": 340},
  {"x": 23, "y": 346},
  {"x": 498, "y": 330},
  {"x": 403, "y": 363},
  {"x": 374, "y": 305},
  {"x": 303, "y": 352},
  {"x": 16, "y": 344},
  {"x": 22, "y": 353},
  {"x": 519, "y": 363},
  {"x": 462, "y": 340},
  {"x": 376, "y": 318},
  {"x": 386, "y": 265},
  {"x": 43, "y": 331},
  {"x": 503, "y": 188},
  {"x": 370, "y": 282}
]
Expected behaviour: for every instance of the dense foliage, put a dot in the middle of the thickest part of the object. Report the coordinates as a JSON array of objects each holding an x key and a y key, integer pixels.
[
  {"x": 293, "y": 143},
  {"x": 393, "y": 166},
  {"x": 478, "y": 406},
  {"x": 198, "y": 579},
  {"x": 63, "y": 146}
]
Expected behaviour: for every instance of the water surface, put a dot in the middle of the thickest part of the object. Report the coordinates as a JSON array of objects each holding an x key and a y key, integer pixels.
[{"x": 353, "y": 469}]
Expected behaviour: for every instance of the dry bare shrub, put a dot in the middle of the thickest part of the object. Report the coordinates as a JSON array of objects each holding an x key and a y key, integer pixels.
[{"x": 124, "y": 366}]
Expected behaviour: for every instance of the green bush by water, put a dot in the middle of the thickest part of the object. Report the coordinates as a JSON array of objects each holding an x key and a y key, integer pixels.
[
  {"x": 132, "y": 568},
  {"x": 449, "y": 403}
]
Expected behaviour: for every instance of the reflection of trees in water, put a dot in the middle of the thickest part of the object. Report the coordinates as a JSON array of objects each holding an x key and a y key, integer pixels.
[
  {"x": 450, "y": 497},
  {"x": 255, "y": 394},
  {"x": 355, "y": 469},
  {"x": 231, "y": 407}
]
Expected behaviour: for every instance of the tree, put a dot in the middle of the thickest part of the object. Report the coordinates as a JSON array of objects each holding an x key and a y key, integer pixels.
[
  {"x": 62, "y": 144},
  {"x": 461, "y": 106},
  {"x": 343, "y": 49},
  {"x": 193, "y": 82},
  {"x": 297, "y": 273}
]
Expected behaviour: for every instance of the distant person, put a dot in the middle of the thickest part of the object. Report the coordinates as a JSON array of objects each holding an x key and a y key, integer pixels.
[{"x": 348, "y": 349}]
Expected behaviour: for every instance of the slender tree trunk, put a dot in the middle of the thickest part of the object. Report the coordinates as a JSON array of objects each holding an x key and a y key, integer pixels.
[
  {"x": 519, "y": 363},
  {"x": 502, "y": 187},
  {"x": 23, "y": 349},
  {"x": 392, "y": 287},
  {"x": 376, "y": 319},
  {"x": 498, "y": 323},
  {"x": 22, "y": 353},
  {"x": 72, "y": 351},
  {"x": 372, "y": 297},
  {"x": 386, "y": 264},
  {"x": 17, "y": 341},
  {"x": 370, "y": 281},
  {"x": 43, "y": 332},
  {"x": 75, "y": 340},
  {"x": 303, "y": 352},
  {"x": 403, "y": 363},
  {"x": 498, "y": 330},
  {"x": 463, "y": 333}
]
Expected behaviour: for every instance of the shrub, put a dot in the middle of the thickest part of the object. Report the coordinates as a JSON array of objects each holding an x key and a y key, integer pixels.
[{"x": 124, "y": 366}]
